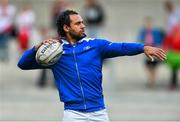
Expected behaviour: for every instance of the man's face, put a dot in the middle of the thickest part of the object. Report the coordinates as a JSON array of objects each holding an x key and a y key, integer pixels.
[{"x": 77, "y": 27}]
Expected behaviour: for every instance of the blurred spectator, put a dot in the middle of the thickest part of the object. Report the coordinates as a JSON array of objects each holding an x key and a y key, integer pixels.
[
  {"x": 43, "y": 78},
  {"x": 151, "y": 36},
  {"x": 57, "y": 7},
  {"x": 7, "y": 13},
  {"x": 25, "y": 21},
  {"x": 173, "y": 15},
  {"x": 94, "y": 17},
  {"x": 172, "y": 41}
]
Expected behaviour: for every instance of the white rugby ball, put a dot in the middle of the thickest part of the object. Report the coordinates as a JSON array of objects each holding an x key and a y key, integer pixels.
[{"x": 49, "y": 53}]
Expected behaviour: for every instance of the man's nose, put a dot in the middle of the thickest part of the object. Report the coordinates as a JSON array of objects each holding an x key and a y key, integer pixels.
[{"x": 83, "y": 25}]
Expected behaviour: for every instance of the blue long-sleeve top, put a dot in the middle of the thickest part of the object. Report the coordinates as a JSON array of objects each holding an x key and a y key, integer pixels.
[{"x": 78, "y": 72}]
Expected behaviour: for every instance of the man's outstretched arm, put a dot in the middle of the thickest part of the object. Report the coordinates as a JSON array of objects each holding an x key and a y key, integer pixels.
[{"x": 110, "y": 49}]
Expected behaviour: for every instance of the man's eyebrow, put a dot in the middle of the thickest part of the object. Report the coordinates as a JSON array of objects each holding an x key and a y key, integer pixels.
[{"x": 80, "y": 21}]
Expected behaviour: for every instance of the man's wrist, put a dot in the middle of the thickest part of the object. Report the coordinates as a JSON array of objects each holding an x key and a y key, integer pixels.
[
  {"x": 36, "y": 47},
  {"x": 145, "y": 47}
]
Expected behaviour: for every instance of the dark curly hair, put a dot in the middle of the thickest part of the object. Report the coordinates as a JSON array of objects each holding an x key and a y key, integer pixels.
[{"x": 64, "y": 19}]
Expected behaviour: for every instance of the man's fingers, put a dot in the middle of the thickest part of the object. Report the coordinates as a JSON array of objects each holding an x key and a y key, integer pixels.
[
  {"x": 160, "y": 56},
  {"x": 150, "y": 57},
  {"x": 50, "y": 41},
  {"x": 159, "y": 53},
  {"x": 163, "y": 55},
  {"x": 162, "y": 52},
  {"x": 152, "y": 52},
  {"x": 53, "y": 40}
]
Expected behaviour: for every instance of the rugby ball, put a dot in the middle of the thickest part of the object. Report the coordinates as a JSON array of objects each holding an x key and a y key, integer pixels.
[{"x": 49, "y": 53}]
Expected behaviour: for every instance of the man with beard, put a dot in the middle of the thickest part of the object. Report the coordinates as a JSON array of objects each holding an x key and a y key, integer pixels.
[{"x": 78, "y": 72}]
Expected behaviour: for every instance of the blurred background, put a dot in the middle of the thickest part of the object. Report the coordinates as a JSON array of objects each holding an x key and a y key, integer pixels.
[{"x": 135, "y": 89}]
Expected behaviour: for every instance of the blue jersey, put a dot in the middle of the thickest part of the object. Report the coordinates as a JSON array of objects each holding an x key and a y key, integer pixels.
[{"x": 78, "y": 72}]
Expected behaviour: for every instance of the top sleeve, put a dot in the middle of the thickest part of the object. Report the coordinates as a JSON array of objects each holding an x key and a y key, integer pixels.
[
  {"x": 28, "y": 61},
  {"x": 111, "y": 49}
]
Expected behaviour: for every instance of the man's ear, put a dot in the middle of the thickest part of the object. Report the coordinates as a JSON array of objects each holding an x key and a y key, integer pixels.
[{"x": 66, "y": 28}]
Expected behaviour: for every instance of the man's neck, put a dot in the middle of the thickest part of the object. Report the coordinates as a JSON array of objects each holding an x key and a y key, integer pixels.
[{"x": 70, "y": 40}]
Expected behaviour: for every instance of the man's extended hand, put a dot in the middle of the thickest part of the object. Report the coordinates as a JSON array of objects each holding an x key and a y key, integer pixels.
[
  {"x": 151, "y": 52},
  {"x": 46, "y": 41}
]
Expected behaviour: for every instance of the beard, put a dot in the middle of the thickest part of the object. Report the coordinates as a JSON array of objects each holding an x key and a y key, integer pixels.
[{"x": 76, "y": 36}]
